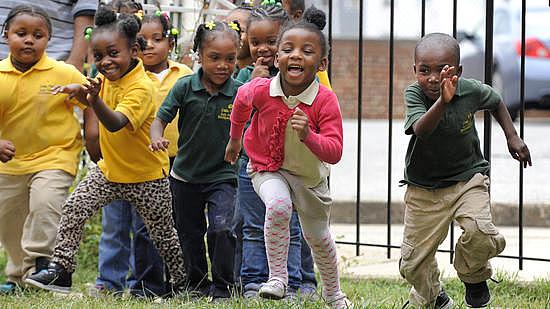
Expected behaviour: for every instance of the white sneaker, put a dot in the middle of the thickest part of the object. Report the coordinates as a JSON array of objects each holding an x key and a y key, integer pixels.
[
  {"x": 274, "y": 288},
  {"x": 340, "y": 303}
]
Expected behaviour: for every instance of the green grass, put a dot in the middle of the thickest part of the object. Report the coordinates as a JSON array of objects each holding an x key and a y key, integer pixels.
[{"x": 365, "y": 293}]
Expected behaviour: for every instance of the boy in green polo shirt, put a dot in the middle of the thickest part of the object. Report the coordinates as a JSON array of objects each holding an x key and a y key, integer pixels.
[{"x": 446, "y": 175}]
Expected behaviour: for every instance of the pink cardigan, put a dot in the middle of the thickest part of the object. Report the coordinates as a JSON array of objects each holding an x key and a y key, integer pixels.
[{"x": 264, "y": 139}]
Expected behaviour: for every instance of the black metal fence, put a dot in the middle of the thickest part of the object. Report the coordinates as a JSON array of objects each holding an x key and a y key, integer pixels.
[{"x": 489, "y": 10}]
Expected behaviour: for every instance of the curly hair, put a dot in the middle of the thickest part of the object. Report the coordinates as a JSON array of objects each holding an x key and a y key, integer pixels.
[
  {"x": 314, "y": 20},
  {"x": 106, "y": 19}
]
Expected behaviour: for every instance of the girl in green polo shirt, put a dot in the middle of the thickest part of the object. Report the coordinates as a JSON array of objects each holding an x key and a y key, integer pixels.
[{"x": 200, "y": 177}]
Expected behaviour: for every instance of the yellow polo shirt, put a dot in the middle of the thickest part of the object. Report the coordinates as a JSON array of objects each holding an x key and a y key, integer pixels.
[
  {"x": 42, "y": 126},
  {"x": 126, "y": 154},
  {"x": 177, "y": 70}
]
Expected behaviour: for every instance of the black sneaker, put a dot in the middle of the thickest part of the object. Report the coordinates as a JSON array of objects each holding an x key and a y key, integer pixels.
[
  {"x": 443, "y": 301},
  {"x": 55, "y": 278},
  {"x": 477, "y": 295},
  {"x": 41, "y": 263}
]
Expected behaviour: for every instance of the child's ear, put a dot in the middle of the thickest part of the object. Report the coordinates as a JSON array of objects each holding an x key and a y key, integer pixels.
[
  {"x": 414, "y": 68},
  {"x": 459, "y": 70},
  {"x": 323, "y": 65},
  {"x": 276, "y": 61},
  {"x": 134, "y": 50},
  {"x": 171, "y": 44}
]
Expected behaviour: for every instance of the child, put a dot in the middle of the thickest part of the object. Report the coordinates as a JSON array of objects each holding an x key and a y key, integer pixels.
[
  {"x": 445, "y": 163},
  {"x": 263, "y": 29},
  {"x": 116, "y": 245},
  {"x": 296, "y": 128},
  {"x": 122, "y": 98},
  {"x": 199, "y": 177},
  {"x": 40, "y": 144},
  {"x": 241, "y": 14}
]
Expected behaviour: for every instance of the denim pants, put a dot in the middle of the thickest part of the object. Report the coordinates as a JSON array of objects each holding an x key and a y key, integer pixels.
[
  {"x": 190, "y": 201},
  {"x": 126, "y": 262},
  {"x": 254, "y": 269}
]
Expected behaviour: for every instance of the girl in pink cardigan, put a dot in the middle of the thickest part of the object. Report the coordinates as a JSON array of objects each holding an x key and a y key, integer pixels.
[{"x": 295, "y": 133}]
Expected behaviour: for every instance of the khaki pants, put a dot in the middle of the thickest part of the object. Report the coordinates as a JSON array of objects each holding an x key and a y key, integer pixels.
[
  {"x": 428, "y": 214},
  {"x": 30, "y": 210}
]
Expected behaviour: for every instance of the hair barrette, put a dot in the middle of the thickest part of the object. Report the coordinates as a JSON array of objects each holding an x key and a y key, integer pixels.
[
  {"x": 174, "y": 32},
  {"x": 88, "y": 33},
  {"x": 233, "y": 25},
  {"x": 139, "y": 14},
  {"x": 270, "y": 2},
  {"x": 210, "y": 25}
]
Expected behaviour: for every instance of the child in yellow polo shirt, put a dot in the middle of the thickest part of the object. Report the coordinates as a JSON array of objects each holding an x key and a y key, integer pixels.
[
  {"x": 40, "y": 144},
  {"x": 122, "y": 98}
]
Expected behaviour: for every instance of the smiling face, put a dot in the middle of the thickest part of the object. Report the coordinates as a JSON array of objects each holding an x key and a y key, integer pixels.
[
  {"x": 262, "y": 39},
  {"x": 27, "y": 38},
  {"x": 428, "y": 65},
  {"x": 217, "y": 56},
  {"x": 155, "y": 55},
  {"x": 112, "y": 55},
  {"x": 298, "y": 59}
]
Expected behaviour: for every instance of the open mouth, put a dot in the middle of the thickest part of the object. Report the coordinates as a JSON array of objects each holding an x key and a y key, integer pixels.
[{"x": 295, "y": 69}]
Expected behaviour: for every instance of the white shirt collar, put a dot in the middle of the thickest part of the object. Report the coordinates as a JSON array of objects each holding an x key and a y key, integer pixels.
[{"x": 307, "y": 96}]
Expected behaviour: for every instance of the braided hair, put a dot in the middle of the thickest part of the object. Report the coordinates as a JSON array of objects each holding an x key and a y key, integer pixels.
[
  {"x": 268, "y": 12},
  {"x": 314, "y": 20},
  {"x": 106, "y": 19},
  {"x": 30, "y": 10},
  {"x": 126, "y": 6},
  {"x": 205, "y": 32}
]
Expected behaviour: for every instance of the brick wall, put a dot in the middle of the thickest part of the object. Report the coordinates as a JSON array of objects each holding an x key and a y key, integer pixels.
[{"x": 375, "y": 76}]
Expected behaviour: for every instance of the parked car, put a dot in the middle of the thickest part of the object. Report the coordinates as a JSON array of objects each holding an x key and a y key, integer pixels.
[{"x": 507, "y": 54}]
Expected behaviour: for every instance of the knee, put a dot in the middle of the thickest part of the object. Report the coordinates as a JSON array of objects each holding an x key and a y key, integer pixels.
[
  {"x": 481, "y": 235},
  {"x": 279, "y": 209}
]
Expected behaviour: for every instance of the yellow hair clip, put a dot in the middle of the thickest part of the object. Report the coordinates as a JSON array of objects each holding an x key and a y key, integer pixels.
[
  {"x": 210, "y": 25},
  {"x": 139, "y": 14},
  {"x": 234, "y": 26}
]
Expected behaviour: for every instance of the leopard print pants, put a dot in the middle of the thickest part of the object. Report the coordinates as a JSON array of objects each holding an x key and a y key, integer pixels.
[{"x": 153, "y": 202}]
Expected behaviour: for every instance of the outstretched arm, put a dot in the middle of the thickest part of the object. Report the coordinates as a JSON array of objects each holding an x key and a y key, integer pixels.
[
  {"x": 516, "y": 146},
  {"x": 156, "y": 132},
  {"x": 429, "y": 121}
]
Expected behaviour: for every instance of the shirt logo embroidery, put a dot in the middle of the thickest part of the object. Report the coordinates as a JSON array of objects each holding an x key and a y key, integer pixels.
[
  {"x": 225, "y": 112},
  {"x": 45, "y": 89},
  {"x": 467, "y": 124}
]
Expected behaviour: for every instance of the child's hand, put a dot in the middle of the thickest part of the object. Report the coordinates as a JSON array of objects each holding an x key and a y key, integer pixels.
[
  {"x": 232, "y": 150},
  {"x": 300, "y": 123},
  {"x": 7, "y": 150},
  {"x": 73, "y": 90},
  {"x": 448, "y": 83},
  {"x": 260, "y": 69},
  {"x": 159, "y": 144},
  {"x": 519, "y": 150},
  {"x": 93, "y": 87}
]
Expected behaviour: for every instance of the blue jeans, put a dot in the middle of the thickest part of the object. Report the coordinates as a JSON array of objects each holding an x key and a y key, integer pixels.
[
  {"x": 254, "y": 268},
  {"x": 115, "y": 247},
  {"x": 120, "y": 254},
  {"x": 190, "y": 201}
]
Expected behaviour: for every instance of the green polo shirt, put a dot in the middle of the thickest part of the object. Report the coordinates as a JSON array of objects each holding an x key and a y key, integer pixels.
[
  {"x": 203, "y": 128},
  {"x": 452, "y": 152}
]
